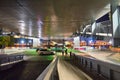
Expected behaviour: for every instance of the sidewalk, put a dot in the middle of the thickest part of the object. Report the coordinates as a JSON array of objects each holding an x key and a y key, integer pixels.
[
  {"x": 13, "y": 50},
  {"x": 101, "y": 55},
  {"x": 67, "y": 71}
]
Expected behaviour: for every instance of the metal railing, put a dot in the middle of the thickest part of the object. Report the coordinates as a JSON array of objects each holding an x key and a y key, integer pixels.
[
  {"x": 105, "y": 69},
  {"x": 6, "y": 61}
]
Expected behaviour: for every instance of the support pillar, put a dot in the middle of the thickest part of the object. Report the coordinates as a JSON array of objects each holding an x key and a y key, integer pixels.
[{"x": 115, "y": 14}]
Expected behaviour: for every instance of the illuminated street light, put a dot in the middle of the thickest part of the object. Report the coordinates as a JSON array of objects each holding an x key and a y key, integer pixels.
[{"x": 22, "y": 41}]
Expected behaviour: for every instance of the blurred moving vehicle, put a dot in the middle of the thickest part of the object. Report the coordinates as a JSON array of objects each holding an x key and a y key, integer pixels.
[{"x": 44, "y": 52}]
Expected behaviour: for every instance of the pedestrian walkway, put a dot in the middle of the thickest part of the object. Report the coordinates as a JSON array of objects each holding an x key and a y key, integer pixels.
[
  {"x": 101, "y": 55},
  {"x": 13, "y": 50},
  {"x": 67, "y": 71}
]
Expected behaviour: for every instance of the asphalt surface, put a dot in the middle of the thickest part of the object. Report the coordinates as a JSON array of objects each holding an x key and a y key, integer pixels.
[{"x": 29, "y": 69}]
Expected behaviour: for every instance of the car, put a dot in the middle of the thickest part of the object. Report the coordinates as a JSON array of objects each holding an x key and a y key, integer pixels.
[{"x": 44, "y": 52}]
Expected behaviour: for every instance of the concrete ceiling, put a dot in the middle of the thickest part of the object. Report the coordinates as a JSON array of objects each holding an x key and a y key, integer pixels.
[{"x": 48, "y": 17}]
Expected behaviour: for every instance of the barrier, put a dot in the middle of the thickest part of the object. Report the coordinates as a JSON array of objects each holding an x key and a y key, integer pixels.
[
  {"x": 107, "y": 70},
  {"x": 6, "y": 61},
  {"x": 50, "y": 72}
]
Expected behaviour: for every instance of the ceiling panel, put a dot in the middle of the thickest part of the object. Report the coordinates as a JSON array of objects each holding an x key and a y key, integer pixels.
[{"x": 47, "y": 17}]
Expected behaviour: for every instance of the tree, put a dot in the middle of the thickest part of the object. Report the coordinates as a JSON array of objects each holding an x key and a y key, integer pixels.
[
  {"x": 11, "y": 42},
  {"x": 4, "y": 41}
]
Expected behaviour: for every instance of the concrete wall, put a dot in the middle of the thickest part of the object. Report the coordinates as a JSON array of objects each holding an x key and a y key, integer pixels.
[
  {"x": 36, "y": 41},
  {"x": 76, "y": 42}
]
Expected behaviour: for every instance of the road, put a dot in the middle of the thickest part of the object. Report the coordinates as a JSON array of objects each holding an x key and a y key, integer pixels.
[{"x": 29, "y": 69}]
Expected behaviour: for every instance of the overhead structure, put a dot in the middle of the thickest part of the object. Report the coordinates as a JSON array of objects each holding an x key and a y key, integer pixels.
[{"x": 43, "y": 18}]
